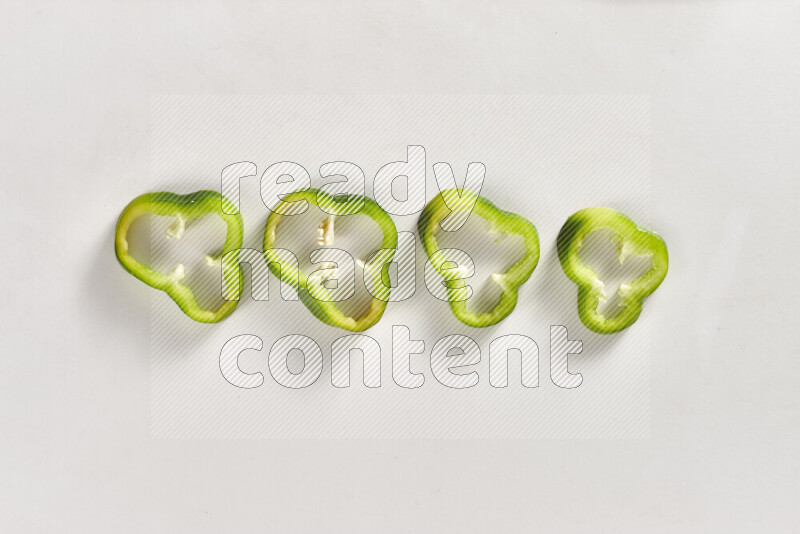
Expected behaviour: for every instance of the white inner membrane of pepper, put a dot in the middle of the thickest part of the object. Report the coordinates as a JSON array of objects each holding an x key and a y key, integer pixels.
[
  {"x": 493, "y": 254},
  {"x": 186, "y": 251},
  {"x": 616, "y": 267},
  {"x": 314, "y": 229}
]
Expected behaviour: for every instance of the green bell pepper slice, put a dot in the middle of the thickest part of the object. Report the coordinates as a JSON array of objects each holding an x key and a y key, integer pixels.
[
  {"x": 323, "y": 308},
  {"x": 500, "y": 222},
  {"x": 633, "y": 240},
  {"x": 184, "y": 208}
]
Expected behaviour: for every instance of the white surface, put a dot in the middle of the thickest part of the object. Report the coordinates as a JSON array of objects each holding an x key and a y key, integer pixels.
[{"x": 723, "y": 79}]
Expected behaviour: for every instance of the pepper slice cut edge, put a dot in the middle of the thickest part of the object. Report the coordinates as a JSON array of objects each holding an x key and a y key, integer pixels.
[
  {"x": 327, "y": 311},
  {"x": 633, "y": 241},
  {"x": 500, "y": 222},
  {"x": 184, "y": 208}
]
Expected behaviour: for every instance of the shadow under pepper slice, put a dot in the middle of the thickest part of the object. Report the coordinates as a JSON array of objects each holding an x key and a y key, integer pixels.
[
  {"x": 633, "y": 241},
  {"x": 500, "y": 222},
  {"x": 184, "y": 208},
  {"x": 327, "y": 310}
]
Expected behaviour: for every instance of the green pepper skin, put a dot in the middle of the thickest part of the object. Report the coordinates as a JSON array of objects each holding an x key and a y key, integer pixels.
[
  {"x": 633, "y": 240},
  {"x": 501, "y": 222},
  {"x": 185, "y": 208},
  {"x": 326, "y": 311}
]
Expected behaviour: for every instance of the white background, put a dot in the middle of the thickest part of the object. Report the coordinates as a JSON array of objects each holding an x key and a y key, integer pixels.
[{"x": 76, "y": 453}]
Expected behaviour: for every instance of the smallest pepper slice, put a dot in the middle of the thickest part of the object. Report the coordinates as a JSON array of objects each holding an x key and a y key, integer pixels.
[
  {"x": 500, "y": 222},
  {"x": 633, "y": 241},
  {"x": 184, "y": 208}
]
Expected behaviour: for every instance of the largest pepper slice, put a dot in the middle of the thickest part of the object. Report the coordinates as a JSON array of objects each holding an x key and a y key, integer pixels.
[
  {"x": 632, "y": 240},
  {"x": 184, "y": 208},
  {"x": 326, "y": 310},
  {"x": 500, "y": 222}
]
